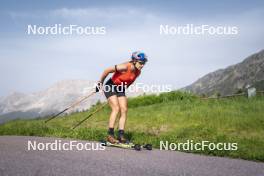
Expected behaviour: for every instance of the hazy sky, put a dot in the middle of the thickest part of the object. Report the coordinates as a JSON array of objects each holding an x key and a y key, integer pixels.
[{"x": 32, "y": 63}]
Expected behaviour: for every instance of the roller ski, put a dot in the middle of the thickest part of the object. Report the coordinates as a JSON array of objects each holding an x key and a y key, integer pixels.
[
  {"x": 123, "y": 143},
  {"x": 129, "y": 145}
]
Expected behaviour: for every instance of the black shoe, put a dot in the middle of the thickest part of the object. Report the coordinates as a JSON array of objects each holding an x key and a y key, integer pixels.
[
  {"x": 112, "y": 139},
  {"x": 122, "y": 139}
]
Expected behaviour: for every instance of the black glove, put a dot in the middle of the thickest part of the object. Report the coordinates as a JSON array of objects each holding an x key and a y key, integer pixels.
[{"x": 98, "y": 86}]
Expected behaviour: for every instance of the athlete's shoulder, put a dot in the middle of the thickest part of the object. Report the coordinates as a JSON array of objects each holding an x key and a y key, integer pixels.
[{"x": 122, "y": 67}]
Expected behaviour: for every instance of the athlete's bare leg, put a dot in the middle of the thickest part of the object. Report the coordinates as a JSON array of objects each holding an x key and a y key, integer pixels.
[
  {"x": 113, "y": 102},
  {"x": 122, "y": 101}
]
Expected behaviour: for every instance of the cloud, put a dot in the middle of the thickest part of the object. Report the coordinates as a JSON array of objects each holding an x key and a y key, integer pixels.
[
  {"x": 38, "y": 61},
  {"x": 117, "y": 16}
]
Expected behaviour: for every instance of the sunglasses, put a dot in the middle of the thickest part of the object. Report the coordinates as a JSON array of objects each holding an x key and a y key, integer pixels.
[{"x": 141, "y": 63}]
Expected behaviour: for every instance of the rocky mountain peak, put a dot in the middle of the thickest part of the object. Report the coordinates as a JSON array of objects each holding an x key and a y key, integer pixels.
[{"x": 229, "y": 80}]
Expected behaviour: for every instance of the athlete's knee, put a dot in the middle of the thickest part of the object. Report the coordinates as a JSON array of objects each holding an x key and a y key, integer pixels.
[
  {"x": 115, "y": 109},
  {"x": 123, "y": 109}
]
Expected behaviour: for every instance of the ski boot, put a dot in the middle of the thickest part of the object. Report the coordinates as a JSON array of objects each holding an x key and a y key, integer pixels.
[
  {"x": 122, "y": 139},
  {"x": 112, "y": 139}
]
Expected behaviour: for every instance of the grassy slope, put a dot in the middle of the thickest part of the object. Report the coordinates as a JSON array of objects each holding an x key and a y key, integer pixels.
[{"x": 175, "y": 117}]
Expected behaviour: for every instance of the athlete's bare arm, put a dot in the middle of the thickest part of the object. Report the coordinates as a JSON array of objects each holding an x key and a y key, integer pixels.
[{"x": 119, "y": 67}]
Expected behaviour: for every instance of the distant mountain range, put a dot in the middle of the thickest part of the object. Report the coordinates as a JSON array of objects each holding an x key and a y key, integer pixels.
[
  {"x": 52, "y": 100},
  {"x": 62, "y": 94},
  {"x": 233, "y": 78},
  {"x": 49, "y": 101}
]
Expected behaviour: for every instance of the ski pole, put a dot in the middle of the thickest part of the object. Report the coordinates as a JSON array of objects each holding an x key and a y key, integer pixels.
[
  {"x": 98, "y": 109},
  {"x": 71, "y": 106}
]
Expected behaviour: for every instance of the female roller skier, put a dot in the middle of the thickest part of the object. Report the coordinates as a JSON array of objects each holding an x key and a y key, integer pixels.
[{"x": 114, "y": 89}]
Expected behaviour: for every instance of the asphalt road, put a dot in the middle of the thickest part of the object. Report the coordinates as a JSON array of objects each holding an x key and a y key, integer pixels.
[{"x": 15, "y": 159}]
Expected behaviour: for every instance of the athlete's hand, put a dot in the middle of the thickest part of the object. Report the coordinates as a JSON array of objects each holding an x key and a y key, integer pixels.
[{"x": 98, "y": 86}]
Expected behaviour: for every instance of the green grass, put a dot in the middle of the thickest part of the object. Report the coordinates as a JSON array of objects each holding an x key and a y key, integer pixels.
[{"x": 174, "y": 117}]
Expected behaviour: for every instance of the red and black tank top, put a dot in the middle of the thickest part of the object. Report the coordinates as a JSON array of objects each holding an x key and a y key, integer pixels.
[{"x": 126, "y": 77}]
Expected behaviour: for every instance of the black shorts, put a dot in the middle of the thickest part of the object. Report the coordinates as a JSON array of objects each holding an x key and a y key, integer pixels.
[{"x": 111, "y": 89}]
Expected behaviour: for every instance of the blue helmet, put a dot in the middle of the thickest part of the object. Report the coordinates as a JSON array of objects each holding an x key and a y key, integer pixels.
[{"x": 139, "y": 56}]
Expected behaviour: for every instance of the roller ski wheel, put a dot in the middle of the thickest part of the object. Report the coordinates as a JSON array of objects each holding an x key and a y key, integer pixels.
[
  {"x": 148, "y": 146},
  {"x": 137, "y": 147}
]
